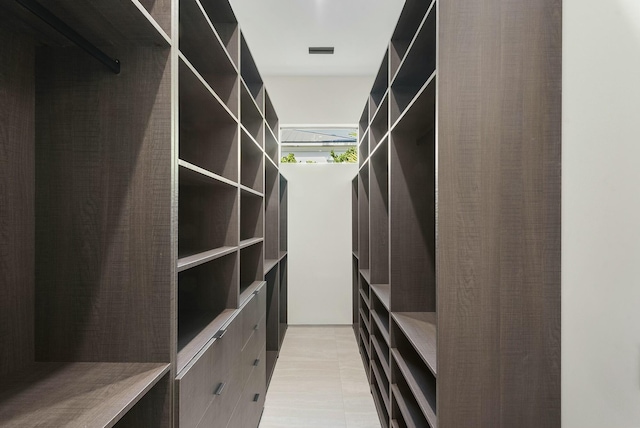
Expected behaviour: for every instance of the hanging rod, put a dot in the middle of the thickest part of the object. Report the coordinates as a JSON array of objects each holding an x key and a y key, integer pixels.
[{"x": 48, "y": 17}]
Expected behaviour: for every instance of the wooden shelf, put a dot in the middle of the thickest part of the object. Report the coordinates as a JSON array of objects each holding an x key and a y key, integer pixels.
[
  {"x": 380, "y": 86},
  {"x": 365, "y": 320},
  {"x": 382, "y": 325},
  {"x": 251, "y": 163},
  {"x": 383, "y": 412},
  {"x": 198, "y": 35},
  {"x": 75, "y": 394},
  {"x": 411, "y": 414},
  {"x": 250, "y": 116},
  {"x": 271, "y": 116},
  {"x": 251, "y": 215},
  {"x": 271, "y": 211},
  {"x": 250, "y": 74},
  {"x": 248, "y": 291},
  {"x": 379, "y": 125},
  {"x": 221, "y": 16},
  {"x": 269, "y": 264},
  {"x": 363, "y": 149},
  {"x": 283, "y": 215},
  {"x": 364, "y": 297},
  {"x": 366, "y": 274},
  {"x": 422, "y": 386},
  {"x": 271, "y": 146},
  {"x": 251, "y": 266},
  {"x": 410, "y": 20},
  {"x": 189, "y": 262},
  {"x": 383, "y": 293},
  {"x": 382, "y": 354},
  {"x": 363, "y": 123},
  {"x": 208, "y": 129},
  {"x": 249, "y": 242},
  {"x": 199, "y": 330},
  {"x": 383, "y": 384},
  {"x": 207, "y": 208},
  {"x": 421, "y": 330}
]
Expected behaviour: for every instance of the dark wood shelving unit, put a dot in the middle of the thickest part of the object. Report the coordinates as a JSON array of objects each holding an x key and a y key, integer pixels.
[
  {"x": 133, "y": 265},
  {"x": 459, "y": 169}
]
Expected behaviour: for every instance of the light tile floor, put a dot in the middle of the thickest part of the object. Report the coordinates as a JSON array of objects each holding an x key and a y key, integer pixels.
[{"x": 319, "y": 381}]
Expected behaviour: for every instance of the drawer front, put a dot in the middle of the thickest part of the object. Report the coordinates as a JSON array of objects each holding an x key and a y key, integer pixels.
[
  {"x": 252, "y": 349},
  {"x": 252, "y": 312},
  {"x": 249, "y": 409},
  {"x": 199, "y": 385},
  {"x": 221, "y": 409}
]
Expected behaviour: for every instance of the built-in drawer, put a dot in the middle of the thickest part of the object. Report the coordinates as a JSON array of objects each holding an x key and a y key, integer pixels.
[
  {"x": 208, "y": 376},
  {"x": 252, "y": 312},
  {"x": 250, "y": 357},
  {"x": 221, "y": 408},
  {"x": 249, "y": 409}
]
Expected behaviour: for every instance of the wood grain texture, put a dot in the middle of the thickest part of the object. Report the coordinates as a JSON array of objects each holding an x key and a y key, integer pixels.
[
  {"x": 499, "y": 92},
  {"x": 272, "y": 206},
  {"x": 103, "y": 207},
  {"x": 273, "y": 310},
  {"x": 283, "y": 214},
  {"x": 76, "y": 394},
  {"x": 17, "y": 212},
  {"x": 363, "y": 218},
  {"x": 379, "y": 214},
  {"x": 153, "y": 409},
  {"x": 421, "y": 331}
]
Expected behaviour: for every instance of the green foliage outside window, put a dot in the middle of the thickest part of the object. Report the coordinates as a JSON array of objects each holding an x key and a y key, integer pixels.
[{"x": 350, "y": 156}]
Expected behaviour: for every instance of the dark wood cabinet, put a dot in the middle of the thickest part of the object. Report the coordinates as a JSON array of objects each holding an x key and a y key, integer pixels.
[
  {"x": 456, "y": 260},
  {"x": 133, "y": 244}
]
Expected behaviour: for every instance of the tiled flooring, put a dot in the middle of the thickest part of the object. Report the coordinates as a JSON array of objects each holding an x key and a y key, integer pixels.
[{"x": 319, "y": 382}]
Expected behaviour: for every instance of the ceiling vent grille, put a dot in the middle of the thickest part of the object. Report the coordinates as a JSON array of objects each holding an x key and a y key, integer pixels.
[{"x": 321, "y": 51}]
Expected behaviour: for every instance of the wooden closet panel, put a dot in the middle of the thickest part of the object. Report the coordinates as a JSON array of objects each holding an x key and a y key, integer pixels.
[
  {"x": 498, "y": 259},
  {"x": 103, "y": 203},
  {"x": 17, "y": 222}
]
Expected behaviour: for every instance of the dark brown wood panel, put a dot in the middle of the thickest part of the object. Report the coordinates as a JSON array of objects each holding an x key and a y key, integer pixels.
[
  {"x": 17, "y": 221},
  {"x": 499, "y": 83},
  {"x": 379, "y": 214},
  {"x": 271, "y": 219},
  {"x": 103, "y": 207}
]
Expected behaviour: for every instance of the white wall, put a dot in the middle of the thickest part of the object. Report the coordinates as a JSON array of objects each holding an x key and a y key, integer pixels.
[
  {"x": 601, "y": 214},
  {"x": 319, "y": 242},
  {"x": 319, "y": 100}
]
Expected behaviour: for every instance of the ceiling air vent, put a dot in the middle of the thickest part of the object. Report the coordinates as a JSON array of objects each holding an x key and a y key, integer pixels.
[{"x": 321, "y": 50}]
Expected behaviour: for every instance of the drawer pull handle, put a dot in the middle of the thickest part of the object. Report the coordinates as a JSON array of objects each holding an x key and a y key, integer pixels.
[
  {"x": 219, "y": 389},
  {"x": 256, "y": 398},
  {"x": 220, "y": 334},
  {"x": 256, "y": 362},
  {"x": 255, "y": 327}
]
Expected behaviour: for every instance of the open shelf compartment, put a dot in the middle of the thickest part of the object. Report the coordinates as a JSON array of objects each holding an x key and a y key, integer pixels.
[
  {"x": 251, "y": 165},
  {"x": 363, "y": 148},
  {"x": 203, "y": 48},
  {"x": 208, "y": 212},
  {"x": 207, "y": 295},
  {"x": 251, "y": 266},
  {"x": 379, "y": 125},
  {"x": 208, "y": 132},
  {"x": 380, "y": 86},
  {"x": 250, "y": 117},
  {"x": 271, "y": 220},
  {"x": 250, "y": 74},
  {"x": 251, "y": 216},
  {"x": 379, "y": 214},
  {"x": 363, "y": 218},
  {"x": 220, "y": 14},
  {"x": 412, "y": 198},
  {"x": 283, "y": 214},
  {"x": 418, "y": 65},
  {"x": 270, "y": 115},
  {"x": 271, "y": 146},
  {"x": 410, "y": 19}
]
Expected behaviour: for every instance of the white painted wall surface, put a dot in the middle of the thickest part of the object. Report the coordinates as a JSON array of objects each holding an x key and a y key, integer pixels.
[
  {"x": 601, "y": 214},
  {"x": 319, "y": 245},
  {"x": 319, "y": 100}
]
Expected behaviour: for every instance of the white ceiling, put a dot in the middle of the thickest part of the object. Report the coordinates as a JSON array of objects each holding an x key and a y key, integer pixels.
[{"x": 280, "y": 32}]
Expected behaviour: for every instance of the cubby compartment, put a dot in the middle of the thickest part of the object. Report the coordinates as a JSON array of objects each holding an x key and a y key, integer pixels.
[
  {"x": 381, "y": 404},
  {"x": 380, "y": 316},
  {"x": 379, "y": 125},
  {"x": 410, "y": 19},
  {"x": 363, "y": 149},
  {"x": 412, "y": 189},
  {"x": 207, "y": 212},
  {"x": 251, "y": 267},
  {"x": 363, "y": 123},
  {"x": 414, "y": 357},
  {"x": 251, "y": 163},
  {"x": 216, "y": 67},
  {"x": 363, "y": 219},
  {"x": 207, "y": 295},
  {"x": 382, "y": 379},
  {"x": 271, "y": 220},
  {"x": 251, "y": 216},
  {"x": 380, "y": 86},
  {"x": 250, "y": 116},
  {"x": 417, "y": 68},
  {"x": 283, "y": 215},
  {"x": 284, "y": 318},
  {"x": 379, "y": 214},
  {"x": 271, "y": 116},
  {"x": 382, "y": 349},
  {"x": 208, "y": 132},
  {"x": 271, "y": 146},
  {"x": 354, "y": 216},
  {"x": 250, "y": 74},
  {"x": 273, "y": 317},
  {"x": 355, "y": 292},
  {"x": 220, "y": 14},
  {"x": 408, "y": 407}
]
